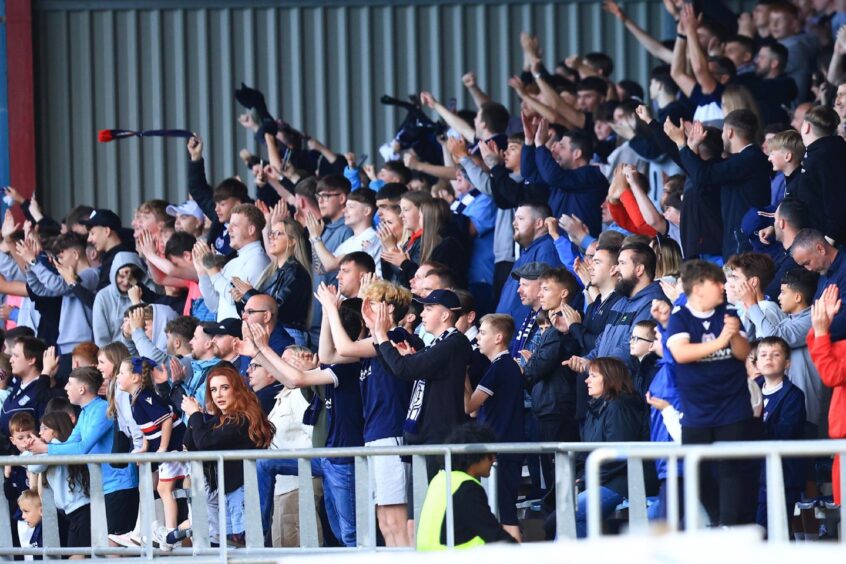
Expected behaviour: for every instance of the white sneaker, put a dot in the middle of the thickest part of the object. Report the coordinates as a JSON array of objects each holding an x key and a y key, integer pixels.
[
  {"x": 124, "y": 540},
  {"x": 160, "y": 537}
]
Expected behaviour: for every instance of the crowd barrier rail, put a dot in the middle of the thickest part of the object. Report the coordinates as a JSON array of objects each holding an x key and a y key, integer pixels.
[{"x": 565, "y": 455}]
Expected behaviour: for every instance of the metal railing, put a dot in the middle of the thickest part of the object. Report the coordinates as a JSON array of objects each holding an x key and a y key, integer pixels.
[
  {"x": 692, "y": 456},
  {"x": 366, "y": 533}
]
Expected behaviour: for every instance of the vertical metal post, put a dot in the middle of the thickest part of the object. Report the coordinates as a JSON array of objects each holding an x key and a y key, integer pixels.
[
  {"x": 450, "y": 516},
  {"x": 842, "y": 478},
  {"x": 49, "y": 517},
  {"x": 222, "y": 529},
  {"x": 5, "y": 519},
  {"x": 673, "y": 493},
  {"x": 565, "y": 498},
  {"x": 99, "y": 527},
  {"x": 362, "y": 502},
  {"x": 493, "y": 498},
  {"x": 306, "y": 511},
  {"x": 147, "y": 508},
  {"x": 420, "y": 484},
  {"x": 692, "y": 462},
  {"x": 776, "y": 505},
  {"x": 593, "y": 506},
  {"x": 199, "y": 508},
  {"x": 252, "y": 507},
  {"x": 638, "y": 520}
]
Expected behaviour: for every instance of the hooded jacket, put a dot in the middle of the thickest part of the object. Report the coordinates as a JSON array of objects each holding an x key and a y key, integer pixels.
[
  {"x": 154, "y": 349},
  {"x": 614, "y": 339},
  {"x": 110, "y": 304}
]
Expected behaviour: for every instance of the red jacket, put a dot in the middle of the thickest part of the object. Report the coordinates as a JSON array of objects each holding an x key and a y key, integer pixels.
[{"x": 830, "y": 360}]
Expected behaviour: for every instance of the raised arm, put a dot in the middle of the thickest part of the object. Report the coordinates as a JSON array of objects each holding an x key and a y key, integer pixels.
[
  {"x": 698, "y": 56},
  {"x": 652, "y": 45},
  {"x": 479, "y": 96},
  {"x": 678, "y": 67},
  {"x": 453, "y": 120}
]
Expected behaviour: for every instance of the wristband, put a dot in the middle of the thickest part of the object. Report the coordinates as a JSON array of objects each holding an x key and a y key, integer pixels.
[
  {"x": 317, "y": 239},
  {"x": 681, "y": 36}
]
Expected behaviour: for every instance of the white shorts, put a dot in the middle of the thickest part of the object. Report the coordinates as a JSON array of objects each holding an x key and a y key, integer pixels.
[
  {"x": 388, "y": 474},
  {"x": 170, "y": 471}
]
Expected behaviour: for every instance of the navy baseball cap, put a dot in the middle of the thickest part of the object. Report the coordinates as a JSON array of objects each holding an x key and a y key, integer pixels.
[
  {"x": 229, "y": 326},
  {"x": 446, "y": 298},
  {"x": 103, "y": 218}
]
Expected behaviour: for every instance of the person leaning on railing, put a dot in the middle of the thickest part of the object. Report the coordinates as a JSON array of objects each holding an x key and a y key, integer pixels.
[{"x": 473, "y": 522}]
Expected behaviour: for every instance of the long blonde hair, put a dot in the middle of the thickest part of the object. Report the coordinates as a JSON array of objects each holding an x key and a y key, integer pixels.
[
  {"x": 295, "y": 232},
  {"x": 435, "y": 216}
]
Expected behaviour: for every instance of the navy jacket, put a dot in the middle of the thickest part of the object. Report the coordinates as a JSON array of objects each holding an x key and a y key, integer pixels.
[
  {"x": 836, "y": 274},
  {"x": 786, "y": 422},
  {"x": 551, "y": 385},
  {"x": 820, "y": 186},
  {"x": 744, "y": 181},
  {"x": 577, "y": 192}
]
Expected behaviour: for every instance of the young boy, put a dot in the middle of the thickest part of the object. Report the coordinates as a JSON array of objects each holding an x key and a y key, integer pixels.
[
  {"x": 474, "y": 524},
  {"x": 499, "y": 401},
  {"x": 747, "y": 275},
  {"x": 709, "y": 349},
  {"x": 784, "y": 419},
  {"x": 22, "y": 432},
  {"x": 786, "y": 152},
  {"x": 792, "y": 324},
  {"x": 30, "y": 507},
  {"x": 641, "y": 346}
]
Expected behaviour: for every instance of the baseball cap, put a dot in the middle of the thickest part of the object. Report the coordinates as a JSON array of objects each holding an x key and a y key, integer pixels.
[
  {"x": 530, "y": 271},
  {"x": 103, "y": 218},
  {"x": 446, "y": 298},
  {"x": 190, "y": 207},
  {"x": 229, "y": 326}
]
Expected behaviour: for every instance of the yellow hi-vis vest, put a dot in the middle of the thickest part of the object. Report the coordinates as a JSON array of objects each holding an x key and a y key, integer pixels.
[{"x": 434, "y": 512}]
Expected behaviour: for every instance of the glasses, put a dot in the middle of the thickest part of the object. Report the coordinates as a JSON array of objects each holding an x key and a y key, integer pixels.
[
  {"x": 275, "y": 234},
  {"x": 635, "y": 338},
  {"x": 327, "y": 195},
  {"x": 252, "y": 366},
  {"x": 252, "y": 311}
]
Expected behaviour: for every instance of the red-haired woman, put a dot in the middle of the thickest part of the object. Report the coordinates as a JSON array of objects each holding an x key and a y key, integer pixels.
[
  {"x": 233, "y": 420},
  {"x": 616, "y": 414}
]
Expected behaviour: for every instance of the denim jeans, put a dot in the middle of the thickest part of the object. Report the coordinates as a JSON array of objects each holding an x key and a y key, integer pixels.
[
  {"x": 267, "y": 470},
  {"x": 339, "y": 498},
  {"x": 608, "y": 500}
]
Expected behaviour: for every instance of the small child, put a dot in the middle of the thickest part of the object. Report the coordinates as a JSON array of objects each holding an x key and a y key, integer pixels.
[
  {"x": 642, "y": 345},
  {"x": 784, "y": 419},
  {"x": 499, "y": 401},
  {"x": 22, "y": 432},
  {"x": 163, "y": 431},
  {"x": 29, "y": 526}
]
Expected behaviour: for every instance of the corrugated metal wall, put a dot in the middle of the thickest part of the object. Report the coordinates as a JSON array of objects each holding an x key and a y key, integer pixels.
[{"x": 322, "y": 65}]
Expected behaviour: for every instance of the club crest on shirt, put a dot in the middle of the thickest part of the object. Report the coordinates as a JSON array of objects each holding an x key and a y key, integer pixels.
[{"x": 150, "y": 400}]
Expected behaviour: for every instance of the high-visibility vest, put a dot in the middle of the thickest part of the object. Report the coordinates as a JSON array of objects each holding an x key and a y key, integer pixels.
[{"x": 434, "y": 512}]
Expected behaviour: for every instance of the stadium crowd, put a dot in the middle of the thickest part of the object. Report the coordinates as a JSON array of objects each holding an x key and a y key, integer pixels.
[{"x": 611, "y": 262}]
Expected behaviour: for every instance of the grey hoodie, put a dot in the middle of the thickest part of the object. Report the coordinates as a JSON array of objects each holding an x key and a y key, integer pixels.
[
  {"x": 110, "y": 304},
  {"x": 141, "y": 345},
  {"x": 75, "y": 316}
]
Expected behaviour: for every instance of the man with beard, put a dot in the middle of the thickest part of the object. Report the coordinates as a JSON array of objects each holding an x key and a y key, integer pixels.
[{"x": 636, "y": 285}]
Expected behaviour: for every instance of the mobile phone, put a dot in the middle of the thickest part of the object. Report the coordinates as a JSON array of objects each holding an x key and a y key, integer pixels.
[
  {"x": 361, "y": 160},
  {"x": 452, "y": 105},
  {"x": 287, "y": 158}
]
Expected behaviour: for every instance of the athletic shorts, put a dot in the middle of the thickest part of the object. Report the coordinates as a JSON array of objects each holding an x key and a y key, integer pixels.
[
  {"x": 390, "y": 474},
  {"x": 172, "y": 471},
  {"x": 122, "y": 511}
]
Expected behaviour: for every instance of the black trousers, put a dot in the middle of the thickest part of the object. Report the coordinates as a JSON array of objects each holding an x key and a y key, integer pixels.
[
  {"x": 721, "y": 485},
  {"x": 555, "y": 430}
]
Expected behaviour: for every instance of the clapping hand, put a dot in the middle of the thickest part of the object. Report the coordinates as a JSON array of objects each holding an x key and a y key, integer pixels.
[
  {"x": 731, "y": 327},
  {"x": 661, "y": 312},
  {"x": 9, "y": 225},
  {"x": 327, "y": 296},
  {"x": 675, "y": 133},
  {"x": 314, "y": 225},
  {"x": 50, "y": 363},
  {"x": 824, "y": 309},
  {"x": 239, "y": 288}
]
